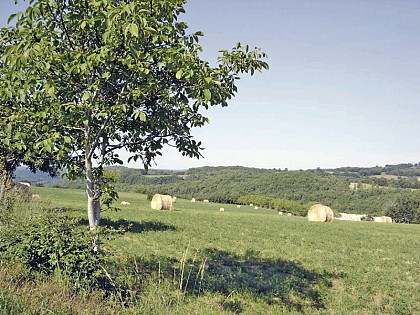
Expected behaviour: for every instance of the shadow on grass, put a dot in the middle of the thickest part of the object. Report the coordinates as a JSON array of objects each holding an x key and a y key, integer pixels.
[
  {"x": 132, "y": 226},
  {"x": 273, "y": 281},
  {"x": 281, "y": 282}
]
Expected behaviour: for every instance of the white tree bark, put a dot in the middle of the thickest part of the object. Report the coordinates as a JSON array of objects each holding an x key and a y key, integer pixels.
[
  {"x": 93, "y": 204},
  {"x": 5, "y": 177}
]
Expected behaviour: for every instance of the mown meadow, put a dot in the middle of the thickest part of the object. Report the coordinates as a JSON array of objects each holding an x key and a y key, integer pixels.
[{"x": 198, "y": 260}]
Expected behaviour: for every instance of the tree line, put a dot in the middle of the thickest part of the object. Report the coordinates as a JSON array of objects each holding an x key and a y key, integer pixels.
[{"x": 262, "y": 187}]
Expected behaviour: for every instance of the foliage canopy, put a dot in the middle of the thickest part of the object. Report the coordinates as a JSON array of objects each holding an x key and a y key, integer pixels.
[{"x": 99, "y": 76}]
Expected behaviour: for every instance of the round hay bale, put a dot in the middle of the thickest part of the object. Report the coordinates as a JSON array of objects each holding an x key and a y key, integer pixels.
[
  {"x": 386, "y": 219},
  {"x": 173, "y": 199},
  {"x": 193, "y": 200},
  {"x": 161, "y": 202},
  {"x": 320, "y": 213},
  {"x": 22, "y": 191},
  {"x": 222, "y": 209}
]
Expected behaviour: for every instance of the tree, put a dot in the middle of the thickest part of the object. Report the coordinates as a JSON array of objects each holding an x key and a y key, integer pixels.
[{"x": 107, "y": 75}]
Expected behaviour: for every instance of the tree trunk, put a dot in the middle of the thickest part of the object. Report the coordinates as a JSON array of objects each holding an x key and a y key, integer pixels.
[
  {"x": 93, "y": 204},
  {"x": 5, "y": 176}
]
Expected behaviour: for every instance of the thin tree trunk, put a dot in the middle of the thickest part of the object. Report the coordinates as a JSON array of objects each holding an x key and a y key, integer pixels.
[
  {"x": 93, "y": 204},
  {"x": 5, "y": 176}
]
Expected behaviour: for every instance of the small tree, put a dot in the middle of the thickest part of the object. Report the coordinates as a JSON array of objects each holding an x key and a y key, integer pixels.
[{"x": 109, "y": 75}]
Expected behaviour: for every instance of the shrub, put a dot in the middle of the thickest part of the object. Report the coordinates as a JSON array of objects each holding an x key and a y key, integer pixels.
[
  {"x": 406, "y": 209},
  {"x": 49, "y": 244}
]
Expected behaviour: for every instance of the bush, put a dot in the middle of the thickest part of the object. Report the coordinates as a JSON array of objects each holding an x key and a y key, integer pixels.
[
  {"x": 406, "y": 209},
  {"x": 53, "y": 244}
]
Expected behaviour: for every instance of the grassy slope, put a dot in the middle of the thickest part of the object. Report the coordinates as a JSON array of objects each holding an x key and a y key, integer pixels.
[{"x": 258, "y": 262}]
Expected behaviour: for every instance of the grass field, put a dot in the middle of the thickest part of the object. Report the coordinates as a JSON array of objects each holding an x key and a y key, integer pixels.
[{"x": 198, "y": 260}]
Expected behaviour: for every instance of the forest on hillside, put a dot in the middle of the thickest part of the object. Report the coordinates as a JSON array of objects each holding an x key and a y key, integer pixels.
[
  {"x": 230, "y": 184},
  {"x": 373, "y": 191}
]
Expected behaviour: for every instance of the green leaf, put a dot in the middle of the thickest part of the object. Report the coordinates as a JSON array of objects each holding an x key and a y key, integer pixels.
[
  {"x": 150, "y": 29},
  {"x": 134, "y": 30},
  {"x": 86, "y": 96},
  {"x": 10, "y": 18},
  {"x": 179, "y": 74},
  {"x": 51, "y": 91},
  {"x": 141, "y": 115},
  {"x": 106, "y": 75},
  {"x": 207, "y": 95}
]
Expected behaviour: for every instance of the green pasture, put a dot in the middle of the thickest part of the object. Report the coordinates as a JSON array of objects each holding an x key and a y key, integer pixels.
[{"x": 248, "y": 261}]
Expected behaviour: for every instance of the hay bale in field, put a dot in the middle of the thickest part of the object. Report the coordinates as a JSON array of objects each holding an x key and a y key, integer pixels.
[
  {"x": 289, "y": 214},
  {"x": 238, "y": 206},
  {"x": 251, "y": 204},
  {"x": 320, "y": 213},
  {"x": 351, "y": 216},
  {"x": 256, "y": 208},
  {"x": 125, "y": 203},
  {"x": 386, "y": 219},
  {"x": 23, "y": 191},
  {"x": 173, "y": 199},
  {"x": 35, "y": 196},
  {"x": 280, "y": 213},
  {"x": 193, "y": 200},
  {"x": 222, "y": 209},
  {"x": 206, "y": 201},
  {"x": 161, "y": 202},
  {"x": 377, "y": 219}
]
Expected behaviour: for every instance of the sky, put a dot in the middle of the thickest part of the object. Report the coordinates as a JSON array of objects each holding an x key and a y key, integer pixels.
[{"x": 343, "y": 88}]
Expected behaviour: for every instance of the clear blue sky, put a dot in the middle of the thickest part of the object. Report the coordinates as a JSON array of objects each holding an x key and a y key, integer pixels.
[{"x": 343, "y": 87}]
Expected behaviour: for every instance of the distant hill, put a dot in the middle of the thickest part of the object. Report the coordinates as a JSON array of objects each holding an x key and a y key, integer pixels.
[
  {"x": 38, "y": 178},
  {"x": 44, "y": 179},
  {"x": 132, "y": 176}
]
